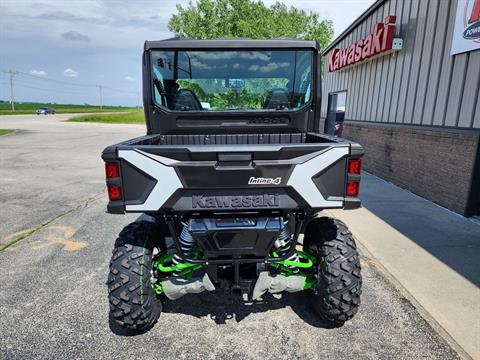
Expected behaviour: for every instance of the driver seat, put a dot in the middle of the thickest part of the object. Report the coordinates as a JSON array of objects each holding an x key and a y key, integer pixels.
[
  {"x": 185, "y": 100},
  {"x": 277, "y": 99}
]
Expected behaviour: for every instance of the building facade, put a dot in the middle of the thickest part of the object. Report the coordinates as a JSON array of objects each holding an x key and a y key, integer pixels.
[{"x": 403, "y": 80}]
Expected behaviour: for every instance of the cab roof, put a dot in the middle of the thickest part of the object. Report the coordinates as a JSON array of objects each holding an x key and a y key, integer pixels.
[{"x": 231, "y": 44}]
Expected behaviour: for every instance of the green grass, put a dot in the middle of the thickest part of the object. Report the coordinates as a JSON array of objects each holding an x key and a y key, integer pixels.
[
  {"x": 133, "y": 117},
  {"x": 30, "y": 108},
  {"x": 5, "y": 132}
]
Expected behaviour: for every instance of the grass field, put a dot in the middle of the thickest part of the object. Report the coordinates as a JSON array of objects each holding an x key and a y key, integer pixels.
[
  {"x": 5, "y": 132},
  {"x": 131, "y": 117},
  {"x": 30, "y": 108}
]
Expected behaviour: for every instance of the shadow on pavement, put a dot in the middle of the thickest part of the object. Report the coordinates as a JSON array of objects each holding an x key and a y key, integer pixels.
[
  {"x": 451, "y": 238},
  {"x": 221, "y": 307}
]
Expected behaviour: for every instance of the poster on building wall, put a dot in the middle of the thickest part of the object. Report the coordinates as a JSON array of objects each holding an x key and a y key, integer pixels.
[{"x": 466, "y": 34}]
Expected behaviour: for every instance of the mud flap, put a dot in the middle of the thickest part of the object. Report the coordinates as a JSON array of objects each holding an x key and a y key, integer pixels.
[{"x": 277, "y": 283}]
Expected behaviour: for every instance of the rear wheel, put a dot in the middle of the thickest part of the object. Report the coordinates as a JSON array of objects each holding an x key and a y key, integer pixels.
[
  {"x": 338, "y": 287},
  {"x": 133, "y": 303}
]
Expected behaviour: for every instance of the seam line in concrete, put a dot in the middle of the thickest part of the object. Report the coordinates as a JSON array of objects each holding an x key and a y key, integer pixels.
[{"x": 28, "y": 232}]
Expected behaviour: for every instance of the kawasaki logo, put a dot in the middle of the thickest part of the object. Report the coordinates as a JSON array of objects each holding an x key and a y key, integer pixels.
[
  {"x": 264, "y": 181},
  {"x": 249, "y": 201}
]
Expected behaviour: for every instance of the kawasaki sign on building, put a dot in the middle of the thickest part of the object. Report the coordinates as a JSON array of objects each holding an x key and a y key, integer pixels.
[
  {"x": 378, "y": 42},
  {"x": 404, "y": 81}
]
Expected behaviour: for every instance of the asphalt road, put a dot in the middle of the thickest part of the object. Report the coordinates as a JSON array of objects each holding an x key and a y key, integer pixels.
[{"x": 53, "y": 298}]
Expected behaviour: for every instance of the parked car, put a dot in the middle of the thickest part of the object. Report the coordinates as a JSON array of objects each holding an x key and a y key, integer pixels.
[{"x": 45, "y": 111}]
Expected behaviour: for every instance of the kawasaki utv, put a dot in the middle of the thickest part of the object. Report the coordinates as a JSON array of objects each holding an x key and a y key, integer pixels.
[{"x": 231, "y": 179}]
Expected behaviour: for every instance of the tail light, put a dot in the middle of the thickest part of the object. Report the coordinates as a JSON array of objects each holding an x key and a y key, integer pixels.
[
  {"x": 111, "y": 170},
  {"x": 353, "y": 182},
  {"x": 112, "y": 173},
  {"x": 354, "y": 166},
  {"x": 353, "y": 188},
  {"x": 114, "y": 192}
]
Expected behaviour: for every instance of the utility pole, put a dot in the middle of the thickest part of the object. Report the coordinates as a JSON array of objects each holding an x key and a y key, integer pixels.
[
  {"x": 138, "y": 99},
  {"x": 11, "y": 90},
  {"x": 100, "y": 92}
]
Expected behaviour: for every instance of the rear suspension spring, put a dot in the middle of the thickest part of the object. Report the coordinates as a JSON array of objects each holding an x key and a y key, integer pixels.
[
  {"x": 283, "y": 243},
  {"x": 187, "y": 242}
]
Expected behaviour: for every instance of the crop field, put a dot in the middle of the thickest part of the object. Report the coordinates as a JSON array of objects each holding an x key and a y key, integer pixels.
[
  {"x": 30, "y": 108},
  {"x": 128, "y": 117},
  {"x": 5, "y": 132}
]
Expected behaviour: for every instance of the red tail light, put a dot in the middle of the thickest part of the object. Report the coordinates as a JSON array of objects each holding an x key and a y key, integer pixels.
[
  {"x": 111, "y": 170},
  {"x": 114, "y": 192},
  {"x": 353, "y": 188},
  {"x": 354, "y": 166}
]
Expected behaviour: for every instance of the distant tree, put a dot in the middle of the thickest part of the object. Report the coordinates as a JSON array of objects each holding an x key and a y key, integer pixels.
[{"x": 210, "y": 19}]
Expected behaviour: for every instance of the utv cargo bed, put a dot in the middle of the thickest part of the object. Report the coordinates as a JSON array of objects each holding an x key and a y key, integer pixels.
[{"x": 222, "y": 172}]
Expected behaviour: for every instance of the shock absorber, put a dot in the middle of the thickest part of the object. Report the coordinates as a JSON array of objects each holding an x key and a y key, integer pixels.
[
  {"x": 187, "y": 242},
  {"x": 283, "y": 244}
]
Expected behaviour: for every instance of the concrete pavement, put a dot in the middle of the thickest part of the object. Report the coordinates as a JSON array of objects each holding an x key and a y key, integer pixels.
[
  {"x": 432, "y": 253},
  {"x": 53, "y": 301},
  {"x": 48, "y": 167},
  {"x": 54, "y": 305}
]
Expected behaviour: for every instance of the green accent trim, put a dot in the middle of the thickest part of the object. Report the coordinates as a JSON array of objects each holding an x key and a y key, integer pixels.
[
  {"x": 158, "y": 288},
  {"x": 164, "y": 265},
  {"x": 310, "y": 282},
  {"x": 164, "y": 259},
  {"x": 302, "y": 265}
]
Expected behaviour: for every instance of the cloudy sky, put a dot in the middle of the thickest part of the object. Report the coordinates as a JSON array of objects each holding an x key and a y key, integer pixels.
[{"x": 61, "y": 50}]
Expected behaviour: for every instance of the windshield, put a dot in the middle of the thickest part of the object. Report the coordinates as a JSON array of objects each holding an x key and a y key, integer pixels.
[{"x": 209, "y": 80}]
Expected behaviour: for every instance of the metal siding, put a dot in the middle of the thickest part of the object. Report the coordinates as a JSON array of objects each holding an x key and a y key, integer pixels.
[
  {"x": 410, "y": 46},
  {"x": 377, "y": 110},
  {"x": 372, "y": 75},
  {"x": 421, "y": 84},
  {"x": 470, "y": 92},
  {"x": 349, "y": 93},
  {"x": 426, "y": 61},
  {"x": 366, "y": 72},
  {"x": 346, "y": 74},
  {"x": 476, "y": 114},
  {"x": 377, "y": 74},
  {"x": 436, "y": 63},
  {"x": 456, "y": 89},
  {"x": 389, "y": 69},
  {"x": 417, "y": 57},
  {"x": 398, "y": 79},
  {"x": 446, "y": 72},
  {"x": 358, "y": 82},
  {"x": 356, "y": 74}
]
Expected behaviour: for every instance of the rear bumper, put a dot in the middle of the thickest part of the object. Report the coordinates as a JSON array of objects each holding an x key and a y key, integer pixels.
[{"x": 232, "y": 178}]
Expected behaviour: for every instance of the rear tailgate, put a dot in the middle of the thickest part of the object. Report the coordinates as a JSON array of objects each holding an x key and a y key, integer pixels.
[{"x": 192, "y": 173}]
